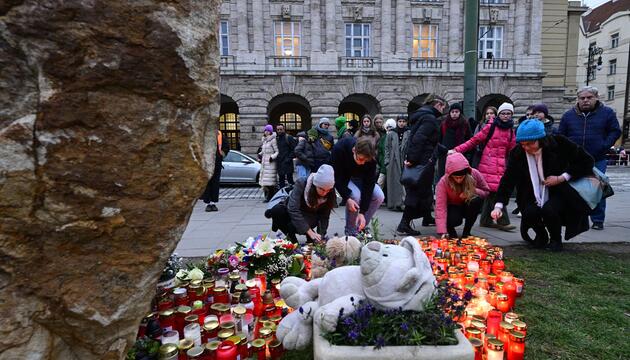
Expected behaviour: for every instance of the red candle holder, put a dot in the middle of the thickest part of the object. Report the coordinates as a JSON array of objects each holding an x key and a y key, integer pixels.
[
  {"x": 516, "y": 350},
  {"x": 227, "y": 351},
  {"x": 503, "y": 303},
  {"x": 493, "y": 321}
]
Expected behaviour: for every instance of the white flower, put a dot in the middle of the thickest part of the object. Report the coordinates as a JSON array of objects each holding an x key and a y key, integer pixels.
[
  {"x": 182, "y": 274},
  {"x": 195, "y": 274},
  {"x": 249, "y": 242},
  {"x": 266, "y": 247}
]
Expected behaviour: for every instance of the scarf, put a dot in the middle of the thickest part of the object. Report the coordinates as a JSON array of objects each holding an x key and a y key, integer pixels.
[
  {"x": 401, "y": 132},
  {"x": 366, "y": 130},
  {"x": 456, "y": 124},
  {"x": 307, "y": 189},
  {"x": 341, "y": 131},
  {"x": 504, "y": 125},
  {"x": 537, "y": 176}
]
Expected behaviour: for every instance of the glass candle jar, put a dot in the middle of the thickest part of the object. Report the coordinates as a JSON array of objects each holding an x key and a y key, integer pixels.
[
  {"x": 275, "y": 349},
  {"x": 210, "y": 331},
  {"x": 492, "y": 280},
  {"x": 235, "y": 279},
  {"x": 259, "y": 349},
  {"x": 275, "y": 283},
  {"x": 184, "y": 345},
  {"x": 492, "y": 321},
  {"x": 192, "y": 318},
  {"x": 516, "y": 350},
  {"x": 497, "y": 266},
  {"x": 509, "y": 317},
  {"x": 506, "y": 276},
  {"x": 211, "y": 350},
  {"x": 180, "y": 316},
  {"x": 227, "y": 351},
  {"x": 504, "y": 332},
  {"x": 261, "y": 278},
  {"x": 520, "y": 283},
  {"x": 170, "y": 337},
  {"x": 503, "y": 303},
  {"x": 222, "y": 277},
  {"x": 167, "y": 320},
  {"x": 473, "y": 332},
  {"x": 495, "y": 350},
  {"x": 221, "y": 295},
  {"x": 195, "y": 291},
  {"x": 477, "y": 348},
  {"x": 180, "y": 295},
  {"x": 243, "y": 349},
  {"x": 520, "y": 326},
  {"x": 239, "y": 317},
  {"x": 169, "y": 351},
  {"x": 192, "y": 332},
  {"x": 509, "y": 289},
  {"x": 195, "y": 353}
]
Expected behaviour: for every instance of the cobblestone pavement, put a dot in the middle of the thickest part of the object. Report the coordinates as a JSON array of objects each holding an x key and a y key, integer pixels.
[{"x": 240, "y": 217}]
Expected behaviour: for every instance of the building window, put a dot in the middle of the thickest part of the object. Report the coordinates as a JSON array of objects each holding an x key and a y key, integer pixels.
[
  {"x": 287, "y": 35},
  {"x": 425, "y": 40},
  {"x": 357, "y": 40},
  {"x": 611, "y": 93},
  {"x": 230, "y": 129},
  {"x": 614, "y": 40},
  {"x": 490, "y": 42},
  {"x": 351, "y": 116},
  {"x": 292, "y": 122},
  {"x": 612, "y": 67},
  {"x": 492, "y": 1},
  {"x": 224, "y": 38}
]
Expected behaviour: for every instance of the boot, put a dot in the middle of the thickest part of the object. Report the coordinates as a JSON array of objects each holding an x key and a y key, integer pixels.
[
  {"x": 428, "y": 221},
  {"x": 405, "y": 229},
  {"x": 555, "y": 246}
]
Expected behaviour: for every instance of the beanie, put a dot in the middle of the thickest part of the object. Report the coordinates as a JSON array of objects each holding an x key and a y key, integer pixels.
[
  {"x": 456, "y": 106},
  {"x": 269, "y": 128},
  {"x": 542, "y": 108},
  {"x": 506, "y": 106},
  {"x": 324, "y": 177},
  {"x": 531, "y": 129},
  {"x": 323, "y": 120},
  {"x": 390, "y": 124},
  {"x": 340, "y": 121},
  {"x": 354, "y": 124}
]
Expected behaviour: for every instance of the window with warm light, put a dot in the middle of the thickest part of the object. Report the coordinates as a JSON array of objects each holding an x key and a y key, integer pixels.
[
  {"x": 224, "y": 38},
  {"x": 425, "y": 40},
  {"x": 292, "y": 122},
  {"x": 287, "y": 38},
  {"x": 490, "y": 42},
  {"x": 357, "y": 40},
  {"x": 351, "y": 116},
  {"x": 230, "y": 129}
]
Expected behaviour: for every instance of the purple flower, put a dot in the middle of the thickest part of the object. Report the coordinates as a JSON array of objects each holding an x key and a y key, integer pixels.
[
  {"x": 348, "y": 321},
  {"x": 468, "y": 295},
  {"x": 404, "y": 327},
  {"x": 353, "y": 335},
  {"x": 380, "y": 342}
]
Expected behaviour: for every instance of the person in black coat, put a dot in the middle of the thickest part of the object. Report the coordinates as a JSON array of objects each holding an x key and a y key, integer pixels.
[
  {"x": 286, "y": 146},
  {"x": 354, "y": 161},
  {"x": 423, "y": 140},
  {"x": 549, "y": 161},
  {"x": 211, "y": 193}
]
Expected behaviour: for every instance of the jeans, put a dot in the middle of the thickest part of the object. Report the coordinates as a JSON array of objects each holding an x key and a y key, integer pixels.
[
  {"x": 599, "y": 213},
  {"x": 351, "y": 217},
  {"x": 302, "y": 171}
]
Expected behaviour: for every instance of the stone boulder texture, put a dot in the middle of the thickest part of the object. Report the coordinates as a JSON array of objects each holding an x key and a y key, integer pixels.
[{"x": 108, "y": 117}]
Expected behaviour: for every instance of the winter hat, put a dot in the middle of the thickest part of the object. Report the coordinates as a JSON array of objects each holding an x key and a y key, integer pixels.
[
  {"x": 324, "y": 177},
  {"x": 340, "y": 121},
  {"x": 390, "y": 124},
  {"x": 269, "y": 128},
  {"x": 542, "y": 108},
  {"x": 456, "y": 106},
  {"x": 506, "y": 106},
  {"x": 531, "y": 129},
  {"x": 354, "y": 124},
  {"x": 322, "y": 121}
]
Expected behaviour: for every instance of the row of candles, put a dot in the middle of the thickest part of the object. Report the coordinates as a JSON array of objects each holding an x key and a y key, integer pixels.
[
  {"x": 225, "y": 317},
  {"x": 473, "y": 264}
]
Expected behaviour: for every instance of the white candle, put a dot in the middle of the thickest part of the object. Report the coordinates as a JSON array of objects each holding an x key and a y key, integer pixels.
[
  {"x": 170, "y": 337},
  {"x": 192, "y": 331}
]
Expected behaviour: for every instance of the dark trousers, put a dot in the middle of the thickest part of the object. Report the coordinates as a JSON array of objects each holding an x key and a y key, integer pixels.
[
  {"x": 285, "y": 176},
  {"x": 547, "y": 219},
  {"x": 211, "y": 193},
  {"x": 467, "y": 213},
  {"x": 488, "y": 206}
]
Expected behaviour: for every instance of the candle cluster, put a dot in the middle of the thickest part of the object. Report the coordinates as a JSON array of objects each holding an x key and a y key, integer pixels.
[
  {"x": 474, "y": 265},
  {"x": 224, "y": 316}
]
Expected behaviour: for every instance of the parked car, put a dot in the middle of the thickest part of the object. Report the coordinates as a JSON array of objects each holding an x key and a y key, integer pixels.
[{"x": 239, "y": 168}]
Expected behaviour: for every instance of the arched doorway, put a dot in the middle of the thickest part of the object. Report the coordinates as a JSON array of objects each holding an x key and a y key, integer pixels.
[
  {"x": 291, "y": 110},
  {"x": 228, "y": 122},
  {"x": 416, "y": 103},
  {"x": 356, "y": 105},
  {"x": 491, "y": 100}
]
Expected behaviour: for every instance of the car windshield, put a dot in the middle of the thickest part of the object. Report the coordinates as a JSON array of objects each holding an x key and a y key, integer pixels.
[{"x": 233, "y": 157}]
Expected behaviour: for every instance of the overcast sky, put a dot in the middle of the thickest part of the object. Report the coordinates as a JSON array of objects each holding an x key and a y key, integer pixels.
[{"x": 594, "y": 3}]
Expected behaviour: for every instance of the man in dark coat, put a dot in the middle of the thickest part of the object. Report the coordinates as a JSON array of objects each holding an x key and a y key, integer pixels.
[
  {"x": 354, "y": 161},
  {"x": 549, "y": 161},
  {"x": 286, "y": 145},
  {"x": 211, "y": 194},
  {"x": 423, "y": 140},
  {"x": 595, "y": 127}
]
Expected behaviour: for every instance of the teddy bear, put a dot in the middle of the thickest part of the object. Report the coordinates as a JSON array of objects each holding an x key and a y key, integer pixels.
[
  {"x": 339, "y": 251},
  {"x": 388, "y": 277}
]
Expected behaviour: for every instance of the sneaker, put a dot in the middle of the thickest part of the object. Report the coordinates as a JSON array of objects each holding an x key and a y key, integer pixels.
[
  {"x": 491, "y": 225},
  {"x": 428, "y": 221},
  {"x": 214, "y": 207},
  {"x": 598, "y": 226},
  {"x": 555, "y": 246},
  {"x": 403, "y": 229},
  {"x": 508, "y": 228},
  {"x": 211, "y": 207}
]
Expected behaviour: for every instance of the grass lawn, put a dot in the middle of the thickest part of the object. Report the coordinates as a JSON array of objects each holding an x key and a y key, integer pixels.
[{"x": 576, "y": 303}]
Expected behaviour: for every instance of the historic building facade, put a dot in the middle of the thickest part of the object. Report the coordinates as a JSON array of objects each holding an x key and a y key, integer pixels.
[{"x": 293, "y": 62}]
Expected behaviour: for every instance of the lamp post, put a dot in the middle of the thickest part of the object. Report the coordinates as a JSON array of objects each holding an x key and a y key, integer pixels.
[{"x": 591, "y": 67}]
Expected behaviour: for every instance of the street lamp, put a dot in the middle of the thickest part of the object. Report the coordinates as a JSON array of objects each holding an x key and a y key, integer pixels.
[{"x": 591, "y": 67}]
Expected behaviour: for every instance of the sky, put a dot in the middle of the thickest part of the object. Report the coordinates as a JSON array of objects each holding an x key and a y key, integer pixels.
[{"x": 594, "y": 3}]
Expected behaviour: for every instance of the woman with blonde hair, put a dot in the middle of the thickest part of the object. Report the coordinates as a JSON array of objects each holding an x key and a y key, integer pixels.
[{"x": 459, "y": 196}]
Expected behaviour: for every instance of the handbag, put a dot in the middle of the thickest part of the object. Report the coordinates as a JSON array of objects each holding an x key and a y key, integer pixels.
[
  {"x": 412, "y": 175},
  {"x": 593, "y": 188}
]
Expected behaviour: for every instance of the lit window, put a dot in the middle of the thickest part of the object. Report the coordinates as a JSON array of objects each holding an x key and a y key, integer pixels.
[
  {"x": 612, "y": 67},
  {"x": 224, "y": 36},
  {"x": 425, "y": 40},
  {"x": 490, "y": 42},
  {"x": 611, "y": 93},
  {"x": 614, "y": 40},
  {"x": 230, "y": 129},
  {"x": 292, "y": 122},
  {"x": 287, "y": 38},
  {"x": 357, "y": 40},
  {"x": 351, "y": 116}
]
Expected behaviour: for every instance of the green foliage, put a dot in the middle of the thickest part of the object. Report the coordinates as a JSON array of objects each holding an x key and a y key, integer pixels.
[
  {"x": 142, "y": 347},
  {"x": 375, "y": 226}
]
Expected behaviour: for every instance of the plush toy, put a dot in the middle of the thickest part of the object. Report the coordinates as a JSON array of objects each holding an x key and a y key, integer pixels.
[
  {"x": 340, "y": 251},
  {"x": 389, "y": 277}
]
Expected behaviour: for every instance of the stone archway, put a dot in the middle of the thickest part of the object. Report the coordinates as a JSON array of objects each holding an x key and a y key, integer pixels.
[
  {"x": 354, "y": 106},
  {"x": 291, "y": 110},
  {"x": 416, "y": 103},
  {"x": 229, "y": 122},
  {"x": 491, "y": 100}
]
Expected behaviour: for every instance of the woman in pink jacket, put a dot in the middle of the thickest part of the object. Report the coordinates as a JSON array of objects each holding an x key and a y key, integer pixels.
[
  {"x": 459, "y": 196},
  {"x": 497, "y": 139}
]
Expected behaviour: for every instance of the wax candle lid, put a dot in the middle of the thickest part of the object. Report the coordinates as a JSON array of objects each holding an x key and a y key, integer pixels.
[
  {"x": 180, "y": 291},
  {"x": 275, "y": 343},
  {"x": 219, "y": 289},
  {"x": 184, "y": 309},
  {"x": 223, "y": 271},
  {"x": 213, "y": 345},
  {"x": 517, "y": 336},
  {"x": 191, "y": 318},
  {"x": 227, "y": 325},
  {"x": 495, "y": 344},
  {"x": 239, "y": 310},
  {"x": 225, "y": 333},
  {"x": 250, "y": 283},
  {"x": 275, "y": 281},
  {"x": 197, "y": 304},
  {"x": 506, "y": 325},
  {"x": 193, "y": 352},
  {"x": 235, "y": 277},
  {"x": 195, "y": 283},
  {"x": 476, "y": 342},
  {"x": 473, "y": 330},
  {"x": 235, "y": 339},
  {"x": 185, "y": 344},
  {"x": 479, "y": 325},
  {"x": 264, "y": 332},
  {"x": 511, "y": 315},
  {"x": 166, "y": 313},
  {"x": 519, "y": 325},
  {"x": 211, "y": 325},
  {"x": 168, "y": 350},
  {"x": 259, "y": 272},
  {"x": 241, "y": 287},
  {"x": 258, "y": 343},
  {"x": 268, "y": 298}
]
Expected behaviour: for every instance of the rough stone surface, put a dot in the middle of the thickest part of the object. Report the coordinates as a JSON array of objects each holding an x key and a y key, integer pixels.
[{"x": 105, "y": 113}]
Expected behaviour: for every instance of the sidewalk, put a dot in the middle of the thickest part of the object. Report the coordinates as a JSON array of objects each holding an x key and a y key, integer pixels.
[{"x": 241, "y": 216}]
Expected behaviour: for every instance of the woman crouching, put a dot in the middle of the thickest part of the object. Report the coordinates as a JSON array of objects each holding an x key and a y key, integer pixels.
[
  {"x": 459, "y": 196},
  {"x": 540, "y": 169}
]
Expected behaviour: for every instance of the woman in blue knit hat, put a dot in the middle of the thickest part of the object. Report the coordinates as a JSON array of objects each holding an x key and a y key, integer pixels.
[{"x": 540, "y": 168}]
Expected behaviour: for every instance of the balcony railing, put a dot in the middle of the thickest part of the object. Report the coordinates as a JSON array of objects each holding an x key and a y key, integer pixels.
[
  {"x": 428, "y": 64},
  {"x": 358, "y": 63},
  {"x": 288, "y": 63},
  {"x": 227, "y": 62},
  {"x": 495, "y": 64}
]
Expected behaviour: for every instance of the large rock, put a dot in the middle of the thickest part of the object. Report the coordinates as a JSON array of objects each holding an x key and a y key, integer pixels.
[{"x": 105, "y": 110}]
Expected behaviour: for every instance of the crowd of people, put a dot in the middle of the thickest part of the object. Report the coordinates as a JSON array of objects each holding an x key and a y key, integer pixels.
[{"x": 469, "y": 169}]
